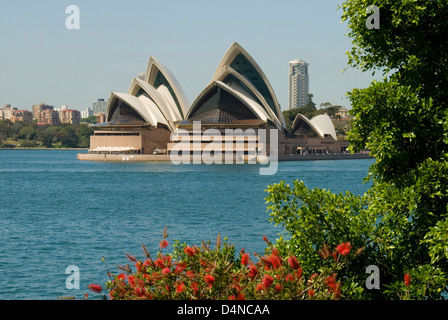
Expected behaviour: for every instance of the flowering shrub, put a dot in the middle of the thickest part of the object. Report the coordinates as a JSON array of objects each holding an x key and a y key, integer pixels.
[{"x": 203, "y": 273}]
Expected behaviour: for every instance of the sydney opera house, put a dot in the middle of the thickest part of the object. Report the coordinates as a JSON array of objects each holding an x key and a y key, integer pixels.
[{"x": 154, "y": 114}]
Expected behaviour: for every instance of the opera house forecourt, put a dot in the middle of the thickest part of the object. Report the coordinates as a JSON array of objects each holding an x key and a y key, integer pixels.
[{"x": 237, "y": 113}]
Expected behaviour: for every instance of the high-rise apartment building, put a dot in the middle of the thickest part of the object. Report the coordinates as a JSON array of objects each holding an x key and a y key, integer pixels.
[
  {"x": 37, "y": 109},
  {"x": 70, "y": 116},
  {"x": 49, "y": 117},
  {"x": 298, "y": 83},
  {"x": 99, "y": 106},
  {"x": 86, "y": 113}
]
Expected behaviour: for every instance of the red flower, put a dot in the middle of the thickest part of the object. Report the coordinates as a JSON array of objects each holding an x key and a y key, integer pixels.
[
  {"x": 159, "y": 263},
  {"x": 121, "y": 276},
  {"x": 407, "y": 279},
  {"x": 311, "y": 293},
  {"x": 299, "y": 273},
  {"x": 278, "y": 288},
  {"x": 166, "y": 271},
  {"x": 95, "y": 287},
  {"x": 267, "y": 281},
  {"x": 330, "y": 280},
  {"x": 163, "y": 244},
  {"x": 289, "y": 277},
  {"x": 294, "y": 263},
  {"x": 266, "y": 239},
  {"x": 344, "y": 248},
  {"x": 190, "y": 251},
  {"x": 259, "y": 287},
  {"x": 131, "y": 280},
  {"x": 253, "y": 271},
  {"x": 276, "y": 263},
  {"x": 209, "y": 279},
  {"x": 245, "y": 259},
  {"x": 195, "y": 287},
  {"x": 180, "y": 287},
  {"x": 241, "y": 296},
  {"x": 232, "y": 297},
  {"x": 180, "y": 267},
  {"x": 138, "y": 266}
]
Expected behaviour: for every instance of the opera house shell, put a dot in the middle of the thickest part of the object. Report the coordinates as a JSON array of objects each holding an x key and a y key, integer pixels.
[{"x": 239, "y": 95}]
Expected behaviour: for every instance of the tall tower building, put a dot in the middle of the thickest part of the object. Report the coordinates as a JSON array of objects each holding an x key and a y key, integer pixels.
[{"x": 298, "y": 83}]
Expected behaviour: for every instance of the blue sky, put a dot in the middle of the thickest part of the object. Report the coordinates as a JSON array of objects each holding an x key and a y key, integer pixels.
[{"x": 42, "y": 61}]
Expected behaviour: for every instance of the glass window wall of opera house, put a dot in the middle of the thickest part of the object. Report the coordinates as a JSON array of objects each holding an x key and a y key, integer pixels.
[{"x": 239, "y": 96}]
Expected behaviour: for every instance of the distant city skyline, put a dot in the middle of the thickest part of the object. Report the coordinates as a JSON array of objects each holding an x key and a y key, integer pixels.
[{"x": 43, "y": 61}]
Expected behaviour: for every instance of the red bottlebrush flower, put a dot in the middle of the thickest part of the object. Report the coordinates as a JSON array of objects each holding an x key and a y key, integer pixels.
[
  {"x": 163, "y": 244},
  {"x": 267, "y": 281},
  {"x": 407, "y": 279},
  {"x": 311, "y": 293},
  {"x": 245, "y": 259},
  {"x": 180, "y": 267},
  {"x": 121, "y": 276},
  {"x": 289, "y": 277},
  {"x": 131, "y": 280},
  {"x": 276, "y": 263},
  {"x": 232, "y": 297},
  {"x": 293, "y": 262},
  {"x": 95, "y": 287},
  {"x": 180, "y": 287},
  {"x": 334, "y": 288},
  {"x": 166, "y": 271},
  {"x": 167, "y": 261},
  {"x": 253, "y": 271},
  {"x": 190, "y": 274},
  {"x": 314, "y": 275},
  {"x": 266, "y": 239},
  {"x": 299, "y": 273},
  {"x": 147, "y": 263},
  {"x": 335, "y": 255},
  {"x": 190, "y": 251},
  {"x": 344, "y": 248},
  {"x": 209, "y": 279},
  {"x": 140, "y": 292},
  {"x": 240, "y": 296},
  {"x": 195, "y": 287},
  {"x": 330, "y": 280},
  {"x": 160, "y": 263},
  {"x": 138, "y": 266},
  {"x": 275, "y": 251},
  {"x": 259, "y": 287},
  {"x": 278, "y": 288}
]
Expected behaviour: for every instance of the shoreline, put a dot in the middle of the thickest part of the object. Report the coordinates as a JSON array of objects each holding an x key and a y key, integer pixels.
[
  {"x": 166, "y": 157},
  {"x": 73, "y": 149}
]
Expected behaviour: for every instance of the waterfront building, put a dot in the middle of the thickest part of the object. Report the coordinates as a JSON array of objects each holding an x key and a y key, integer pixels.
[
  {"x": 7, "y": 112},
  {"x": 48, "y": 117},
  {"x": 37, "y": 109},
  {"x": 22, "y": 115},
  {"x": 70, "y": 116},
  {"x": 298, "y": 83},
  {"x": 239, "y": 96}
]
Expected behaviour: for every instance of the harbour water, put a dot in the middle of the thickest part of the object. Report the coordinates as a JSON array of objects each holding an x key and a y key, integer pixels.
[{"x": 57, "y": 211}]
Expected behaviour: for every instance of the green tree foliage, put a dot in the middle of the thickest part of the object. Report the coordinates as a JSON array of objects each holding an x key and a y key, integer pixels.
[
  {"x": 402, "y": 220},
  {"x": 31, "y": 135}
]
